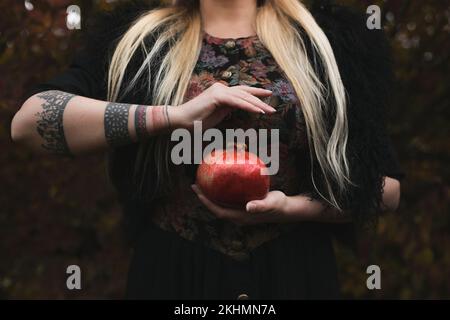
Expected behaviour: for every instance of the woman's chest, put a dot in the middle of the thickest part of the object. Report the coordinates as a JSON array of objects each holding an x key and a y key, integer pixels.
[{"x": 251, "y": 65}]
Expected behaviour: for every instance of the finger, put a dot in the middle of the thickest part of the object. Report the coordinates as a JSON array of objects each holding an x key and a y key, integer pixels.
[
  {"x": 256, "y": 101},
  {"x": 257, "y": 206},
  {"x": 236, "y": 216},
  {"x": 219, "y": 211},
  {"x": 233, "y": 100},
  {"x": 256, "y": 91}
]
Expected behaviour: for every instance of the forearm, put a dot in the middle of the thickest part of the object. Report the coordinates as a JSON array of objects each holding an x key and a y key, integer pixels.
[
  {"x": 302, "y": 208},
  {"x": 63, "y": 123}
]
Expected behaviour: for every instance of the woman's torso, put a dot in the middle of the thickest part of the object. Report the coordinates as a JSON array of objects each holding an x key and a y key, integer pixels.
[{"x": 241, "y": 61}]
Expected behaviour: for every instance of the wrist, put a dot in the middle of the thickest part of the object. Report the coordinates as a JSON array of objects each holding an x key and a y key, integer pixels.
[
  {"x": 158, "y": 119},
  {"x": 302, "y": 208},
  {"x": 176, "y": 117},
  {"x": 294, "y": 208},
  {"x": 284, "y": 204}
]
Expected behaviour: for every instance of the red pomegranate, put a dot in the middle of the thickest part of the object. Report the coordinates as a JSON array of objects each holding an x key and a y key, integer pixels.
[{"x": 232, "y": 177}]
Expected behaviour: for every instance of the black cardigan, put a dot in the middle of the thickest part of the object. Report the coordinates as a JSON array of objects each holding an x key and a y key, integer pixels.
[{"x": 364, "y": 62}]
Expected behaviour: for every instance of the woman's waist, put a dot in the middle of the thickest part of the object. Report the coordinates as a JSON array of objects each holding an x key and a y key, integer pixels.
[{"x": 236, "y": 241}]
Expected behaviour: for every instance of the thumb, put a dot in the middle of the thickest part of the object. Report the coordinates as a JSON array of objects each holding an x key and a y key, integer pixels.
[{"x": 255, "y": 206}]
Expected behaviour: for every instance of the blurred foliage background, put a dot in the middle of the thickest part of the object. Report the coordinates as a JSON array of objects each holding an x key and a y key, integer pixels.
[{"x": 56, "y": 212}]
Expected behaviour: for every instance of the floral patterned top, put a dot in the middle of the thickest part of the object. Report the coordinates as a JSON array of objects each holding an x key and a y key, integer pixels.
[{"x": 239, "y": 61}]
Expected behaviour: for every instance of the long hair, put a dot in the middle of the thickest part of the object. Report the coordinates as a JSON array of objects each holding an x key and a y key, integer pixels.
[{"x": 285, "y": 27}]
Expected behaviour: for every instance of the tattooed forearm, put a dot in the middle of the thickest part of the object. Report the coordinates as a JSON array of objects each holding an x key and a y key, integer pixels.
[
  {"x": 50, "y": 121},
  {"x": 148, "y": 120},
  {"x": 116, "y": 124},
  {"x": 62, "y": 123}
]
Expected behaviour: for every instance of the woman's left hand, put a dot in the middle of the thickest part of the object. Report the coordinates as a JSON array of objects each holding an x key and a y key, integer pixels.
[{"x": 268, "y": 210}]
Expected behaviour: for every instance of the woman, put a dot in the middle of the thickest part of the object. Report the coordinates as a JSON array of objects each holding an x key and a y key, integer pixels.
[{"x": 319, "y": 77}]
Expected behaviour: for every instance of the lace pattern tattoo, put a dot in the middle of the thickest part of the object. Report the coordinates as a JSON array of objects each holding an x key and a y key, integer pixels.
[
  {"x": 116, "y": 124},
  {"x": 140, "y": 121},
  {"x": 50, "y": 121}
]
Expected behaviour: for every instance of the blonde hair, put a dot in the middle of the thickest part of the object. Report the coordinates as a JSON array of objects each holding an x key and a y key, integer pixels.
[{"x": 179, "y": 26}]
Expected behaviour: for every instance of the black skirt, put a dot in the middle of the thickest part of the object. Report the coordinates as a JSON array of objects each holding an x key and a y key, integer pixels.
[{"x": 297, "y": 265}]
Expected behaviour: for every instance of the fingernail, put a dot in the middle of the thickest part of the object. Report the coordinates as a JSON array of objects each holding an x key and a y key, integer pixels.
[
  {"x": 262, "y": 111},
  {"x": 194, "y": 187},
  {"x": 250, "y": 207}
]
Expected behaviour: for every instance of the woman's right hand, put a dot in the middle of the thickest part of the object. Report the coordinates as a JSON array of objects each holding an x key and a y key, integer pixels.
[{"x": 213, "y": 105}]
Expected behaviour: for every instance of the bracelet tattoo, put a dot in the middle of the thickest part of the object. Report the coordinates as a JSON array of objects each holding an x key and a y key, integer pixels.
[
  {"x": 140, "y": 122},
  {"x": 50, "y": 121},
  {"x": 158, "y": 119},
  {"x": 116, "y": 124},
  {"x": 166, "y": 112}
]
